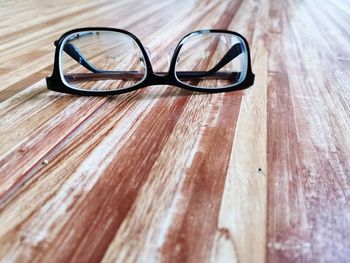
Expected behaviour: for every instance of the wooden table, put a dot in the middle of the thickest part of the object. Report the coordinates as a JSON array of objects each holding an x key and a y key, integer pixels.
[{"x": 164, "y": 174}]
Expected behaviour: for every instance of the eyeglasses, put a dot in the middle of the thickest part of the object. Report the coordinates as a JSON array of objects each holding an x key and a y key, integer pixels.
[{"x": 108, "y": 61}]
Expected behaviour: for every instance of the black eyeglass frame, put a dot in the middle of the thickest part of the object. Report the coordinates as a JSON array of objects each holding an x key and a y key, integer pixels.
[{"x": 56, "y": 83}]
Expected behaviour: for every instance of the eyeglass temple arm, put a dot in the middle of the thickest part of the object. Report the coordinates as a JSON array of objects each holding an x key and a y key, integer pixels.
[
  {"x": 230, "y": 55},
  {"x": 135, "y": 75},
  {"x": 75, "y": 53}
]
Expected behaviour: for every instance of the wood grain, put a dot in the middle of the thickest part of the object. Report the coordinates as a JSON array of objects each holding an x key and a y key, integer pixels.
[{"x": 168, "y": 175}]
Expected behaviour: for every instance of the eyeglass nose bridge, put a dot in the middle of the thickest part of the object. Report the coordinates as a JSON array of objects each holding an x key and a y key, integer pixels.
[{"x": 158, "y": 78}]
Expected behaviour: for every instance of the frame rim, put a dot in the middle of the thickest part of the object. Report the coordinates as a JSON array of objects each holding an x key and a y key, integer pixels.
[{"x": 172, "y": 67}]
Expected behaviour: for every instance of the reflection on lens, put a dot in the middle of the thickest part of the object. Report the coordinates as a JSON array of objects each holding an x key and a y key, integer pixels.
[
  {"x": 212, "y": 60},
  {"x": 101, "y": 60}
]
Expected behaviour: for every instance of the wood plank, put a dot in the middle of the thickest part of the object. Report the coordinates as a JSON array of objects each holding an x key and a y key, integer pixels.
[{"x": 308, "y": 138}]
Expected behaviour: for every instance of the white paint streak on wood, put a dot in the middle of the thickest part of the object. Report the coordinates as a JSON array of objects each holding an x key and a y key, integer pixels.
[{"x": 242, "y": 217}]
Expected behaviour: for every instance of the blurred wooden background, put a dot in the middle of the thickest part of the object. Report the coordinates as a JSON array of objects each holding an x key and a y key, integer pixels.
[{"x": 164, "y": 174}]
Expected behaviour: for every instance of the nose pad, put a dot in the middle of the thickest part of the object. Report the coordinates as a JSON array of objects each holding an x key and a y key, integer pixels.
[
  {"x": 170, "y": 56},
  {"x": 149, "y": 54}
]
